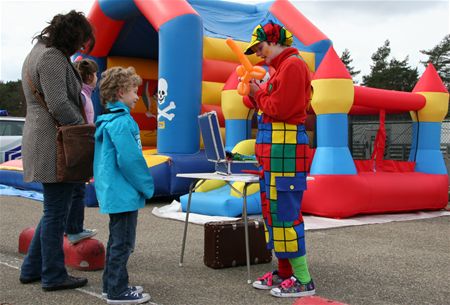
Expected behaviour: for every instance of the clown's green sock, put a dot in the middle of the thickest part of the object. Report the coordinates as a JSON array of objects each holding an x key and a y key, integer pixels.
[{"x": 300, "y": 268}]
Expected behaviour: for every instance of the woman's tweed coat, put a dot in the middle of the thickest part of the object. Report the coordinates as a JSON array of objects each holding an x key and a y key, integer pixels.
[{"x": 53, "y": 75}]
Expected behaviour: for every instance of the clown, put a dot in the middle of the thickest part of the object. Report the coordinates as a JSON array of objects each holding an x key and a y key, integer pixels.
[{"x": 281, "y": 146}]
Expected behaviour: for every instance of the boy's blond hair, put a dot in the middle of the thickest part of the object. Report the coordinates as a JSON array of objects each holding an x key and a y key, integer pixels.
[{"x": 117, "y": 78}]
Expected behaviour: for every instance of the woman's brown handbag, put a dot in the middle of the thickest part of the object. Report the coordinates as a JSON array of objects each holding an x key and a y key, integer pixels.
[
  {"x": 74, "y": 146},
  {"x": 75, "y": 153}
]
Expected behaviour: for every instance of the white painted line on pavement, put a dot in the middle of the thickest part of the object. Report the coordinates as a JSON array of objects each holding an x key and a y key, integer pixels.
[
  {"x": 99, "y": 296},
  {"x": 15, "y": 263},
  {"x": 10, "y": 261},
  {"x": 8, "y": 265}
]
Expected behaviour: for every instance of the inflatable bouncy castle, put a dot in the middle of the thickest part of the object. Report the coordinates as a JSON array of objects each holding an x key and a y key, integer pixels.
[
  {"x": 178, "y": 48},
  {"x": 344, "y": 187}
]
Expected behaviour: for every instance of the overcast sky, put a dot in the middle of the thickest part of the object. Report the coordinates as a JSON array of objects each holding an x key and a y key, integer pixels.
[{"x": 358, "y": 25}]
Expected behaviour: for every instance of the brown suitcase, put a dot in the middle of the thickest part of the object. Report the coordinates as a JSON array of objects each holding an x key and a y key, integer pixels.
[{"x": 225, "y": 244}]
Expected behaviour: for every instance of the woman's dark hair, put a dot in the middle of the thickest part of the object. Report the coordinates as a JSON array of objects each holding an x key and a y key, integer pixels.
[
  {"x": 68, "y": 33},
  {"x": 86, "y": 67}
]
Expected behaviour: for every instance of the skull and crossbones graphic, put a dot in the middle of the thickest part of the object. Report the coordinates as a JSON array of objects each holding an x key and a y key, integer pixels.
[{"x": 163, "y": 87}]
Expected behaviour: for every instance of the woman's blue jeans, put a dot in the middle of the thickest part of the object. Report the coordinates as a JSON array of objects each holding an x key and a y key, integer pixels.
[
  {"x": 122, "y": 237},
  {"x": 45, "y": 256}
]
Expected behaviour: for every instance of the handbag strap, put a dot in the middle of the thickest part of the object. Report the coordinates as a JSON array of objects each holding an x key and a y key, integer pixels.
[{"x": 40, "y": 97}]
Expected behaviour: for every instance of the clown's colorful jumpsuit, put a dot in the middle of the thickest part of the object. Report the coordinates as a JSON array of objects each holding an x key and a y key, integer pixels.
[{"x": 281, "y": 150}]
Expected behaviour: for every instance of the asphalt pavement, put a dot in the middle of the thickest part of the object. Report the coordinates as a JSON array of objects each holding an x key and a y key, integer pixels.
[{"x": 404, "y": 263}]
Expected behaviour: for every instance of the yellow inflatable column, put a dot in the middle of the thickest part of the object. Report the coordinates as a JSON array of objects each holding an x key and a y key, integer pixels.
[
  {"x": 332, "y": 99},
  {"x": 426, "y": 141}
]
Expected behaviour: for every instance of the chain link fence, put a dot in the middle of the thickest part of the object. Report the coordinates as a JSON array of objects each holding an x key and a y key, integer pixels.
[{"x": 363, "y": 130}]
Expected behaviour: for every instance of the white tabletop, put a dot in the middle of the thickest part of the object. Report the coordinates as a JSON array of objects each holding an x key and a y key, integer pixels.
[{"x": 247, "y": 178}]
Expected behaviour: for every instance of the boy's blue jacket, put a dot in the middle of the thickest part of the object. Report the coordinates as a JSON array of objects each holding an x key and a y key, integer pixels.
[{"x": 122, "y": 178}]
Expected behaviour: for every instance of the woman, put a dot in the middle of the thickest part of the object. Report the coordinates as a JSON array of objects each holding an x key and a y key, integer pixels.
[{"x": 50, "y": 71}]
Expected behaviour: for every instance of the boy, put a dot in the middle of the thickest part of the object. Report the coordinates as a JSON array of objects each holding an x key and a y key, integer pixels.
[
  {"x": 281, "y": 145},
  {"x": 122, "y": 180}
]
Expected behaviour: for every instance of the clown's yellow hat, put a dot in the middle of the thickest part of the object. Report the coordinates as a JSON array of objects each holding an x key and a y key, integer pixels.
[{"x": 270, "y": 32}]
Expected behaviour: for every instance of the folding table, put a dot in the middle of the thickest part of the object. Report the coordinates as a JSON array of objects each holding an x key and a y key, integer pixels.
[{"x": 248, "y": 179}]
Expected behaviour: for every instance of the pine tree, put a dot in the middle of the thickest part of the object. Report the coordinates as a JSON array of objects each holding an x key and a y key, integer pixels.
[
  {"x": 12, "y": 98},
  {"x": 347, "y": 60},
  {"x": 439, "y": 56},
  {"x": 390, "y": 74}
]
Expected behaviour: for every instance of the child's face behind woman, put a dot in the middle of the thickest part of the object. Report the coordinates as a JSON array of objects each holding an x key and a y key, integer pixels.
[
  {"x": 129, "y": 97},
  {"x": 92, "y": 80}
]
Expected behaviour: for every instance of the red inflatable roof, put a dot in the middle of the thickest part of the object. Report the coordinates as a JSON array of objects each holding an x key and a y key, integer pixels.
[
  {"x": 332, "y": 67},
  {"x": 296, "y": 22},
  {"x": 430, "y": 81}
]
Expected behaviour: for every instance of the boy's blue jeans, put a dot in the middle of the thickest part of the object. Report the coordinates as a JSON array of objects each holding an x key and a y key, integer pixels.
[
  {"x": 122, "y": 237},
  {"x": 45, "y": 256},
  {"x": 75, "y": 217}
]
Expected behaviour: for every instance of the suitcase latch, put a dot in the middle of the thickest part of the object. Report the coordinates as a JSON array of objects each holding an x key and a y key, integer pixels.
[{"x": 256, "y": 224}]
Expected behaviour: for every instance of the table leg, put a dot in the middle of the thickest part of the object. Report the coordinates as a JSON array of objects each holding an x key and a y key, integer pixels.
[
  {"x": 186, "y": 221},
  {"x": 247, "y": 250},
  {"x": 192, "y": 188}
]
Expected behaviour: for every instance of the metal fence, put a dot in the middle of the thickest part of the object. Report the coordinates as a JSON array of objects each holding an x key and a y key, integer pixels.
[{"x": 362, "y": 133}]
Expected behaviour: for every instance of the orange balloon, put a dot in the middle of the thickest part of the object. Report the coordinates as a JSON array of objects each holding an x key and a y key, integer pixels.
[
  {"x": 243, "y": 88},
  {"x": 259, "y": 72},
  {"x": 240, "y": 70},
  {"x": 246, "y": 71}
]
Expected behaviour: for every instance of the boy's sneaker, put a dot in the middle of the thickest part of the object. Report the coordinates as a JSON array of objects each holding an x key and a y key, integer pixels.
[
  {"x": 268, "y": 281},
  {"x": 76, "y": 238},
  {"x": 129, "y": 297},
  {"x": 292, "y": 288},
  {"x": 138, "y": 289}
]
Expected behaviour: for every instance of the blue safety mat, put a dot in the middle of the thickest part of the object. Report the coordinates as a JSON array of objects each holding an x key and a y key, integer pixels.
[
  {"x": 10, "y": 191},
  {"x": 90, "y": 200}
]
